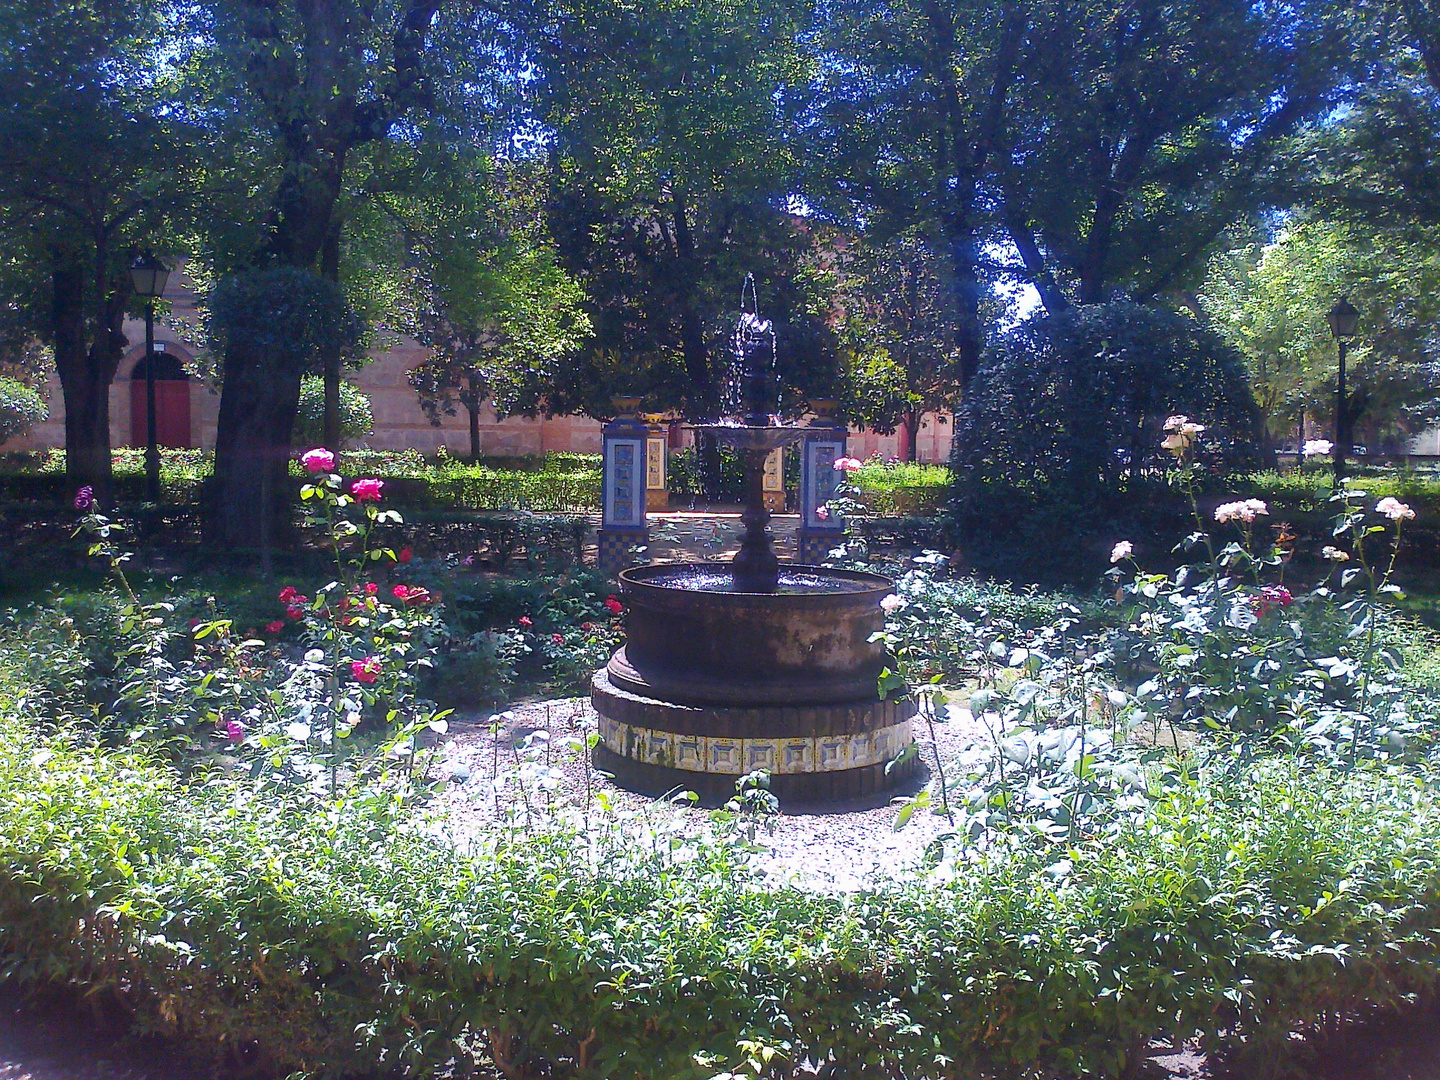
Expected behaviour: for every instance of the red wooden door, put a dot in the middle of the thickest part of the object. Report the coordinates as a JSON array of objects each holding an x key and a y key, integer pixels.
[{"x": 172, "y": 412}]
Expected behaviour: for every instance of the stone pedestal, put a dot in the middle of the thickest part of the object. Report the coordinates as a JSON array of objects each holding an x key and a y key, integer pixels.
[
  {"x": 813, "y": 546},
  {"x": 657, "y": 480},
  {"x": 622, "y": 526}
]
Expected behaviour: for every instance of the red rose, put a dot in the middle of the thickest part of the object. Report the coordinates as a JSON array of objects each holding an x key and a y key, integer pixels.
[
  {"x": 585, "y": 626},
  {"x": 405, "y": 555},
  {"x": 274, "y": 627},
  {"x": 295, "y": 611},
  {"x": 614, "y": 606},
  {"x": 367, "y": 670},
  {"x": 557, "y": 639},
  {"x": 287, "y": 594}
]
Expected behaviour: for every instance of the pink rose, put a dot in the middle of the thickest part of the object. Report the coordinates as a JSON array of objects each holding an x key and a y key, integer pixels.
[
  {"x": 367, "y": 670},
  {"x": 366, "y": 490},
  {"x": 318, "y": 460},
  {"x": 400, "y": 592},
  {"x": 557, "y": 639},
  {"x": 234, "y": 730},
  {"x": 525, "y": 621}
]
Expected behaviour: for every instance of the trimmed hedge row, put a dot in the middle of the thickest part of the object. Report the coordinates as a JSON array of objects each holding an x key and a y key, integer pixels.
[
  {"x": 559, "y": 483},
  {"x": 288, "y": 938}
]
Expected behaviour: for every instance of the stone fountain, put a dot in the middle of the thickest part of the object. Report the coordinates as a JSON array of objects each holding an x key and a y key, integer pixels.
[{"x": 729, "y": 668}]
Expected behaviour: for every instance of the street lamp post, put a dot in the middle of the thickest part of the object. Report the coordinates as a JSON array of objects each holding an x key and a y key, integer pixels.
[
  {"x": 1343, "y": 320},
  {"x": 148, "y": 274}
]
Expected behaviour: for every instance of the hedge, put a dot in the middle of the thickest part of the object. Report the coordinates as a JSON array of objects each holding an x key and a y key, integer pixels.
[
  {"x": 329, "y": 942},
  {"x": 563, "y": 483}
]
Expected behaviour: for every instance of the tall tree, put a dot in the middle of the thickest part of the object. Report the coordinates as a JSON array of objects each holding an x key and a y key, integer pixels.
[
  {"x": 901, "y": 128},
  {"x": 483, "y": 290},
  {"x": 319, "y": 82},
  {"x": 1271, "y": 303},
  {"x": 92, "y": 164},
  {"x": 1142, "y": 131},
  {"x": 671, "y": 183}
]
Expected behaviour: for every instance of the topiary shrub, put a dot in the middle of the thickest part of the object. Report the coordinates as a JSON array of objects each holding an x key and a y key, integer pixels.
[
  {"x": 1059, "y": 437},
  {"x": 357, "y": 418},
  {"x": 20, "y": 407}
]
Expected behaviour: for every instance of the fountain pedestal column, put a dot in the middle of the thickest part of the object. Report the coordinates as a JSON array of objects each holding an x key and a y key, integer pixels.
[{"x": 755, "y": 566}]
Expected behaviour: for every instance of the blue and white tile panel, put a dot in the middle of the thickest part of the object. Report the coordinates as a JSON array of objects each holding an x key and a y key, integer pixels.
[{"x": 735, "y": 757}]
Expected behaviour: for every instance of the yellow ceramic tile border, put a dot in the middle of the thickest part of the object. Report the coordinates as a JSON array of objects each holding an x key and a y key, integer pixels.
[{"x": 734, "y": 757}]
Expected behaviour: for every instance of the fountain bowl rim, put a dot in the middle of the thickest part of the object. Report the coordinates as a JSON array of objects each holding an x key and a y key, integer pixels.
[{"x": 866, "y": 582}]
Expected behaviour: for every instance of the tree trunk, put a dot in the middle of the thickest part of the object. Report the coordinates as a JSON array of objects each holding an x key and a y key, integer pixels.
[
  {"x": 86, "y": 368},
  {"x": 474, "y": 411},
  {"x": 704, "y": 403},
  {"x": 87, "y": 435},
  {"x": 330, "y": 270},
  {"x": 252, "y": 496},
  {"x": 910, "y": 425}
]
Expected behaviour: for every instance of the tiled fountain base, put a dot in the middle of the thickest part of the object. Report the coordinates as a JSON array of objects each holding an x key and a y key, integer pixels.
[{"x": 814, "y": 752}]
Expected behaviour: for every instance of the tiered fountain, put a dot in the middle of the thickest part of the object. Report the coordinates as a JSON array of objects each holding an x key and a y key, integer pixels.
[{"x": 729, "y": 668}]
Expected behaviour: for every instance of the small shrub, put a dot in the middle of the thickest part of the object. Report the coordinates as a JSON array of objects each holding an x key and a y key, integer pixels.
[
  {"x": 357, "y": 418},
  {"x": 20, "y": 408}
]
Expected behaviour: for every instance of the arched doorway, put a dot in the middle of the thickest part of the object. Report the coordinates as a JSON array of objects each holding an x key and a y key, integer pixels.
[{"x": 172, "y": 401}]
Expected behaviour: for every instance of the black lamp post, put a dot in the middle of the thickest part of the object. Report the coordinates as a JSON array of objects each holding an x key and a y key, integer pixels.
[
  {"x": 149, "y": 274},
  {"x": 1343, "y": 320}
]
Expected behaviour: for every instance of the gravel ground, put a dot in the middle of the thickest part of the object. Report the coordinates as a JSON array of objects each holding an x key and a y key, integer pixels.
[{"x": 830, "y": 846}]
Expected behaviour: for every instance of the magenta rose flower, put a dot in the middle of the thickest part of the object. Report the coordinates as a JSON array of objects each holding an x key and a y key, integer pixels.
[
  {"x": 85, "y": 498},
  {"x": 318, "y": 460},
  {"x": 366, "y": 490},
  {"x": 367, "y": 670}
]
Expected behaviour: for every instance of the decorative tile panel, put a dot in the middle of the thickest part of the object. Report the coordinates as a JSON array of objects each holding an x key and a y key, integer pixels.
[
  {"x": 762, "y": 754},
  {"x": 734, "y": 757}
]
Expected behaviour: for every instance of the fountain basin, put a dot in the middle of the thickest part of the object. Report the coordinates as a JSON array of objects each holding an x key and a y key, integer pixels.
[{"x": 692, "y": 640}]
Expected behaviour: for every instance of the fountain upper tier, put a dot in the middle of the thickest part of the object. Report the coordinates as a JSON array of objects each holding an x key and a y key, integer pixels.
[{"x": 757, "y": 439}]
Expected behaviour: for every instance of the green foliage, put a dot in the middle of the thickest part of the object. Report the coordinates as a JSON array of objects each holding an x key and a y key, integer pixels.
[
  {"x": 289, "y": 320},
  {"x": 1271, "y": 304},
  {"x": 670, "y": 181},
  {"x": 1061, "y": 432},
  {"x": 1233, "y": 911},
  {"x": 484, "y": 292},
  {"x": 1129, "y": 154},
  {"x": 900, "y": 320},
  {"x": 20, "y": 407},
  {"x": 357, "y": 419},
  {"x": 900, "y": 489}
]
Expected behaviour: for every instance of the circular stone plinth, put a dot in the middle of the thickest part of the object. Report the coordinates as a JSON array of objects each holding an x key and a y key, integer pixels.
[{"x": 834, "y": 751}]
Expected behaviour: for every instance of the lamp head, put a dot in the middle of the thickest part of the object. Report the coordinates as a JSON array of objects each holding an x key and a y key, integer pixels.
[
  {"x": 1343, "y": 319},
  {"x": 148, "y": 274}
]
